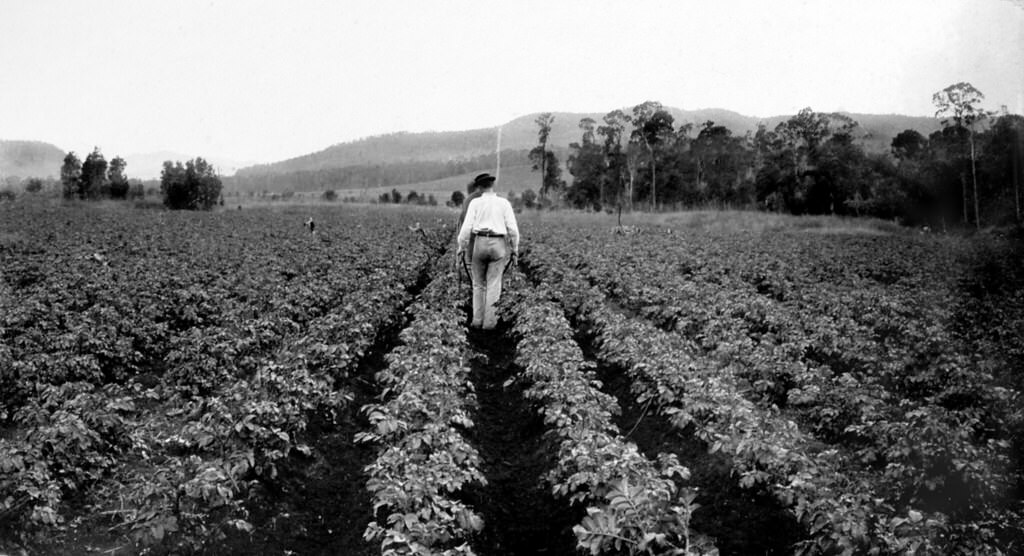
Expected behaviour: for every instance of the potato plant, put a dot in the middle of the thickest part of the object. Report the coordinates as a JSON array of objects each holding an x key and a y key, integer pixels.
[
  {"x": 423, "y": 459},
  {"x": 162, "y": 375},
  {"x": 905, "y": 417},
  {"x": 633, "y": 504}
]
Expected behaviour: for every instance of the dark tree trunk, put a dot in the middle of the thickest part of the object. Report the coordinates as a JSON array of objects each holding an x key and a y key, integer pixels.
[
  {"x": 974, "y": 182},
  {"x": 1015, "y": 167},
  {"x": 963, "y": 187}
]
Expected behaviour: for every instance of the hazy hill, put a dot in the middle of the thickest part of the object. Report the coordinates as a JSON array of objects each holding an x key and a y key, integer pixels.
[
  {"x": 146, "y": 166},
  {"x": 30, "y": 159},
  {"x": 36, "y": 159},
  {"x": 521, "y": 133},
  {"x": 512, "y": 179},
  {"x": 385, "y": 149}
]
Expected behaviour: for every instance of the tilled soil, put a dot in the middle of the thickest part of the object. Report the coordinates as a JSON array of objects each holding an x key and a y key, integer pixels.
[
  {"x": 520, "y": 513},
  {"x": 741, "y": 521}
]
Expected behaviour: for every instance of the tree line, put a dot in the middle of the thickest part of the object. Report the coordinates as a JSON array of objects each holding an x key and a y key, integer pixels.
[
  {"x": 969, "y": 171},
  {"x": 95, "y": 178},
  {"x": 193, "y": 185},
  {"x": 411, "y": 198}
]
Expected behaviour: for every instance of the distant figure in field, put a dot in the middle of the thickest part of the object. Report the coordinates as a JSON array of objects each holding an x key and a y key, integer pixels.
[
  {"x": 311, "y": 225},
  {"x": 490, "y": 227}
]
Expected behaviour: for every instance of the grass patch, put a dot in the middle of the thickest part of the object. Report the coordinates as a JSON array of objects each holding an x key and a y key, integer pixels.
[{"x": 721, "y": 221}]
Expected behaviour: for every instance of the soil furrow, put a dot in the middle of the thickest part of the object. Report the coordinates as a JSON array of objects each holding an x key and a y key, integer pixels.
[
  {"x": 741, "y": 521},
  {"x": 323, "y": 506},
  {"x": 521, "y": 515}
]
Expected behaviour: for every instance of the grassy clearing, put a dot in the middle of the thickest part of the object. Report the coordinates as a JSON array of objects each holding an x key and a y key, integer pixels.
[
  {"x": 721, "y": 221},
  {"x": 513, "y": 181}
]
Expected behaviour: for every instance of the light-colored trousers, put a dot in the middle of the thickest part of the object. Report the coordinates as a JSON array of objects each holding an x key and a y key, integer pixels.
[{"x": 490, "y": 254}]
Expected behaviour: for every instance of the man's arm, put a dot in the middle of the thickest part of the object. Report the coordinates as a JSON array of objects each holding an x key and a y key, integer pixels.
[
  {"x": 511, "y": 227},
  {"x": 466, "y": 228}
]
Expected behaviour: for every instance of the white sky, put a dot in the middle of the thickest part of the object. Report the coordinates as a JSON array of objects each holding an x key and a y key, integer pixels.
[{"x": 263, "y": 81}]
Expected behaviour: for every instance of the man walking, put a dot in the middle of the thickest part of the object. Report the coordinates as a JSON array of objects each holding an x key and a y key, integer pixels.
[
  {"x": 473, "y": 191},
  {"x": 491, "y": 225}
]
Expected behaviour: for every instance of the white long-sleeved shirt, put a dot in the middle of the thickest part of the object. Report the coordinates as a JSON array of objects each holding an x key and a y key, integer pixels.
[{"x": 493, "y": 214}]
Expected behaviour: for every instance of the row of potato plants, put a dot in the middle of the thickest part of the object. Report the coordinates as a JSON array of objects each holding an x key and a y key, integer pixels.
[
  {"x": 76, "y": 337},
  {"x": 993, "y": 323},
  {"x": 423, "y": 459},
  {"x": 225, "y": 445},
  {"x": 791, "y": 353},
  {"x": 261, "y": 419},
  {"x": 912, "y": 397},
  {"x": 893, "y": 395},
  {"x": 167, "y": 406},
  {"x": 838, "y": 505},
  {"x": 633, "y": 504}
]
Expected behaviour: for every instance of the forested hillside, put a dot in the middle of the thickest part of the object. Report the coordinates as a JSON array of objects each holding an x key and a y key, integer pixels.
[
  {"x": 967, "y": 171},
  {"x": 403, "y": 158},
  {"x": 369, "y": 175},
  {"x": 876, "y": 130}
]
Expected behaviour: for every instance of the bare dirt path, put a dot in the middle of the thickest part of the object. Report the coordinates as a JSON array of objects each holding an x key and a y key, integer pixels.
[{"x": 521, "y": 515}]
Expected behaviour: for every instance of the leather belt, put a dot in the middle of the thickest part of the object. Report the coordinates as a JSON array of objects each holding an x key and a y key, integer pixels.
[{"x": 488, "y": 234}]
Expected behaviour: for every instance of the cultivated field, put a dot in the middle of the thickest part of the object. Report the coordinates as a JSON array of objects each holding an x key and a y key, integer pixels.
[{"x": 227, "y": 383}]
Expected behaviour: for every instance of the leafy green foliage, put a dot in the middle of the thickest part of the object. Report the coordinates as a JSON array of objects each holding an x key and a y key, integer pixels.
[
  {"x": 163, "y": 381},
  {"x": 70, "y": 173},
  {"x": 838, "y": 386},
  {"x": 93, "y": 181},
  {"x": 810, "y": 163},
  {"x": 194, "y": 186},
  {"x": 633, "y": 503},
  {"x": 118, "y": 181},
  {"x": 171, "y": 410},
  {"x": 424, "y": 460}
]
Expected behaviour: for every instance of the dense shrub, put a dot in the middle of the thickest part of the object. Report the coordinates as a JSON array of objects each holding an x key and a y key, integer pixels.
[{"x": 194, "y": 186}]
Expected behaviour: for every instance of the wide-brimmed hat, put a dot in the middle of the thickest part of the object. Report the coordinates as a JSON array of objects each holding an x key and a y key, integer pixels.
[{"x": 483, "y": 180}]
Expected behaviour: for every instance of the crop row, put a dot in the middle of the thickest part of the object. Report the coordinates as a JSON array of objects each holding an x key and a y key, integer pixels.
[
  {"x": 169, "y": 404},
  {"x": 839, "y": 506},
  {"x": 216, "y": 448},
  {"x": 877, "y": 396},
  {"x": 423, "y": 459},
  {"x": 922, "y": 425},
  {"x": 633, "y": 504}
]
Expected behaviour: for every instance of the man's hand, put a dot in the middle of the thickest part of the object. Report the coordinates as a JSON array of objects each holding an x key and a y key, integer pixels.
[{"x": 513, "y": 262}]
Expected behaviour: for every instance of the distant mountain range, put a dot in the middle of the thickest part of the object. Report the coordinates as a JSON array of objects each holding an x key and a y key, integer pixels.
[
  {"x": 37, "y": 159},
  {"x": 521, "y": 133}
]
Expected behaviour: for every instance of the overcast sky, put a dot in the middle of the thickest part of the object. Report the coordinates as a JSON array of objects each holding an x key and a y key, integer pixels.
[{"x": 263, "y": 81}]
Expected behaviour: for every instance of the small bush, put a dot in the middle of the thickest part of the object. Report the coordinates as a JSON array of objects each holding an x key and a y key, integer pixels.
[
  {"x": 457, "y": 199},
  {"x": 34, "y": 185}
]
